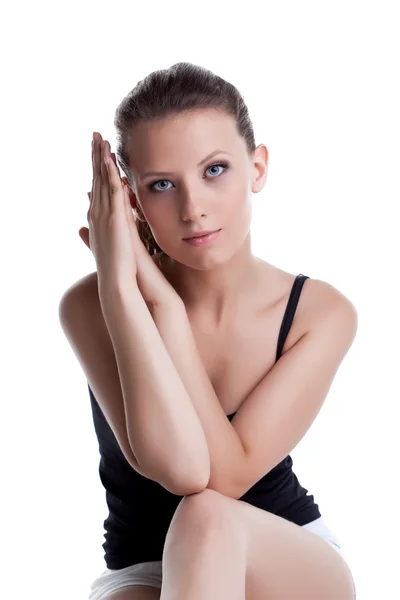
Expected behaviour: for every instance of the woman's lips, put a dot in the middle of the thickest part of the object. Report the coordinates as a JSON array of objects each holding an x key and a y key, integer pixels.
[{"x": 203, "y": 240}]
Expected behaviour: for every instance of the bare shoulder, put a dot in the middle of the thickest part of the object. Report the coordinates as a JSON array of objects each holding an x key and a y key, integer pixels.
[
  {"x": 333, "y": 319},
  {"x": 84, "y": 288},
  {"x": 319, "y": 300},
  {"x": 81, "y": 296},
  {"x": 323, "y": 298}
]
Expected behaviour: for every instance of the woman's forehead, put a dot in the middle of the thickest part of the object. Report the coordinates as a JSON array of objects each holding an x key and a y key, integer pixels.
[{"x": 155, "y": 147}]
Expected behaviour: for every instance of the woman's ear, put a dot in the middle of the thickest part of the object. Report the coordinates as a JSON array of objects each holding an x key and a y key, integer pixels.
[{"x": 133, "y": 200}]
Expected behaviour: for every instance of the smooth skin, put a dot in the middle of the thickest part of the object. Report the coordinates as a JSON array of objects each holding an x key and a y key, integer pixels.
[{"x": 217, "y": 546}]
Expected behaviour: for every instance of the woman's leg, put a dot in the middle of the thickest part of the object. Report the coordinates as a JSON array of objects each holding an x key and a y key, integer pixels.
[
  {"x": 205, "y": 552},
  {"x": 219, "y": 547}
]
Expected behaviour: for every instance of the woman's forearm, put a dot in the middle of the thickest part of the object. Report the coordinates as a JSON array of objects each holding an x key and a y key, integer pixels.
[
  {"x": 226, "y": 451},
  {"x": 163, "y": 427}
]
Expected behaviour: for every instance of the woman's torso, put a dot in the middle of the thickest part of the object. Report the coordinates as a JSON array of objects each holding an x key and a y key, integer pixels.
[
  {"x": 239, "y": 354},
  {"x": 236, "y": 356}
]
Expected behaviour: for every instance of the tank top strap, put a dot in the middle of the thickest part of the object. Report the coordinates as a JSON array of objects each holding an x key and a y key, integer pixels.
[{"x": 290, "y": 312}]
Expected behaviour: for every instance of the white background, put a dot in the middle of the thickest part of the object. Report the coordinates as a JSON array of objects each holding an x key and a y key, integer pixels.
[{"x": 321, "y": 81}]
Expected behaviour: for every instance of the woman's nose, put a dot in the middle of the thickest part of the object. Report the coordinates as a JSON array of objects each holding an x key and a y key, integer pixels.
[{"x": 192, "y": 207}]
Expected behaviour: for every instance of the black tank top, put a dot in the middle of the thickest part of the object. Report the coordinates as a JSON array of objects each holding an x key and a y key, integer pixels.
[{"x": 140, "y": 510}]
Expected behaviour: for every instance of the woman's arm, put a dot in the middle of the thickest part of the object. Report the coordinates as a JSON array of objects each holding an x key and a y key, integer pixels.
[
  {"x": 226, "y": 450},
  {"x": 278, "y": 411},
  {"x": 163, "y": 428}
]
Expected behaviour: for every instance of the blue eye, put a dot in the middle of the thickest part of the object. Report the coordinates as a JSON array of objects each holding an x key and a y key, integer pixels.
[{"x": 152, "y": 187}]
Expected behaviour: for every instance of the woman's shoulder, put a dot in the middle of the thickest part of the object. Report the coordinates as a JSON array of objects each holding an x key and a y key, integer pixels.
[{"x": 316, "y": 298}]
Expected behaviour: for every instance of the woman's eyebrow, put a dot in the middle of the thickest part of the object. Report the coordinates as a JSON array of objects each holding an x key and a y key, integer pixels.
[{"x": 158, "y": 173}]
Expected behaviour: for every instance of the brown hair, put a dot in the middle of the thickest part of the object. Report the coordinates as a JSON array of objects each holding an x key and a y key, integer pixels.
[{"x": 183, "y": 87}]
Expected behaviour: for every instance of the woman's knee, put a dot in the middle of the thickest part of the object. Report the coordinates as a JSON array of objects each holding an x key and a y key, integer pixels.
[{"x": 206, "y": 509}]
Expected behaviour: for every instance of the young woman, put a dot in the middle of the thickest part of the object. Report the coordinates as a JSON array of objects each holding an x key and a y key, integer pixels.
[{"x": 205, "y": 365}]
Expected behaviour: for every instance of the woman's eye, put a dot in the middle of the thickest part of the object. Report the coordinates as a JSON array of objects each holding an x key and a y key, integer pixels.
[{"x": 154, "y": 189}]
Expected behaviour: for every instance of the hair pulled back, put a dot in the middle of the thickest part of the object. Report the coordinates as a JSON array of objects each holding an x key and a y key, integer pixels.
[{"x": 183, "y": 87}]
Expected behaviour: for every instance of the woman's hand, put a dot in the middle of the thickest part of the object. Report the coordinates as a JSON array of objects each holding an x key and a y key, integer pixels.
[
  {"x": 112, "y": 227},
  {"x": 135, "y": 259}
]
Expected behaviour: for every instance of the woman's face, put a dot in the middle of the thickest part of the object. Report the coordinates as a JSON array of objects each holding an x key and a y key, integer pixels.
[{"x": 193, "y": 187}]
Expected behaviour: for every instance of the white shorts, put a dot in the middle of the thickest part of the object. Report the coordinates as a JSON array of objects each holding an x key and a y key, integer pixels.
[{"x": 150, "y": 573}]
